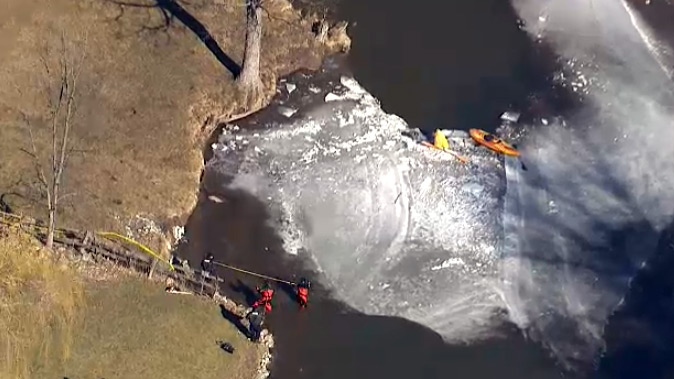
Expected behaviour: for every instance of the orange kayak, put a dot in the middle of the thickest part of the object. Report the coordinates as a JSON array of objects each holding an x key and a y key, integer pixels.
[{"x": 493, "y": 143}]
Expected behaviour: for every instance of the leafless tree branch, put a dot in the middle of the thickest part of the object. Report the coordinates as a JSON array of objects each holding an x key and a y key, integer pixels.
[
  {"x": 63, "y": 197},
  {"x": 60, "y": 119},
  {"x": 271, "y": 17},
  {"x": 37, "y": 165}
]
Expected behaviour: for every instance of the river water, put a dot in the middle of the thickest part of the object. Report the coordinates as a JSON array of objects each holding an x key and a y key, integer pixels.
[
  {"x": 454, "y": 65},
  {"x": 331, "y": 339},
  {"x": 451, "y": 64}
]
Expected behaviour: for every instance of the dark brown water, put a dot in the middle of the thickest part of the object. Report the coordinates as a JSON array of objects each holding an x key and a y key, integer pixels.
[
  {"x": 639, "y": 336},
  {"x": 451, "y": 64},
  {"x": 659, "y": 15}
]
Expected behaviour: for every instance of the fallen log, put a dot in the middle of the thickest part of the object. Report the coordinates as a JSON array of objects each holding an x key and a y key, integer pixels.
[{"x": 98, "y": 247}]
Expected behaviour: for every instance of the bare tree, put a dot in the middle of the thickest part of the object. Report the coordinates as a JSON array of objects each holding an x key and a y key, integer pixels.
[
  {"x": 61, "y": 105},
  {"x": 249, "y": 79}
]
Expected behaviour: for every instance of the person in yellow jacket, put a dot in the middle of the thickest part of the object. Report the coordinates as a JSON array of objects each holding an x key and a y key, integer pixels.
[{"x": 440, "y": 141}]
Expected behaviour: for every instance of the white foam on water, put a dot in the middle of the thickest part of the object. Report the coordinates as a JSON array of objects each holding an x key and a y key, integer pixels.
[
  {"x": 607, "y": 171},
  {"x": 379, "y": 213},
  {"x": 661, "y": 51},
  {"x": 399, "y": 229}
]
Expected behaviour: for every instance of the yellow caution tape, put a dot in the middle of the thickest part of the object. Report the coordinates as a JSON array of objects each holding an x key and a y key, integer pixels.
[
  {"x": 108, "y": 235},
  {"x": 143, "y": 248}
]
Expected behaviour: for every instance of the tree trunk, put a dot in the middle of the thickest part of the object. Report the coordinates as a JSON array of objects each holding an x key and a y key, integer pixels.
[
  {"x": 50, "y": 227},
  {"x": 53, "y": 205},
  {"x": 249, "y": 80},
  {"x": 153, "y": 265}
]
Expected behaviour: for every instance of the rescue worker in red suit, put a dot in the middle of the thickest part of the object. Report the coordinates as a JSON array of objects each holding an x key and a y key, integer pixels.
[
  {"x": 266, "y": 295},
  {"x": 303, "y": 292}
]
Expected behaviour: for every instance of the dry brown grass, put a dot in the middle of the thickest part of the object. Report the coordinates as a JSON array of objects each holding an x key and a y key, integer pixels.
[
  {"x": 39, "y": 302},
  {"x": 147, "y": 98},
  {"x": 57, "y": 322},
  {"x": 133, "y": 329}
]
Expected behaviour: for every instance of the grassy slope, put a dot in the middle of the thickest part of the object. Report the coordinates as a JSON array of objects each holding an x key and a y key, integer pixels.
[
  {"x": 146, "y": 93},
  {"x": 39, "y": 302},
  {"x": 136, "y": 330},
  {"x": 127, "y": 328}
]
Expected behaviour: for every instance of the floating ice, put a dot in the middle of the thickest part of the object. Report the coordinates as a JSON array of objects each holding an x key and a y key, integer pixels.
[
  {"x": 448, "y": 263},
  {"x": 286, "y": 111},
  {"x": 388, "y": 221},
  {"x": 373, "y": 207},
  {"x": 569, "y": 261},
  {"x": 215, "y": 199}
]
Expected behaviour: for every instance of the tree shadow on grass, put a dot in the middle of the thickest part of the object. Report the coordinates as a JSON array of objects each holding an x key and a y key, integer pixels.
[{"x": 171, "y": 10}]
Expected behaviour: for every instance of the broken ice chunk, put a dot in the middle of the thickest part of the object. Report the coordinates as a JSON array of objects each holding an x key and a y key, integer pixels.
[
  {"x": 215, "y": 199},
  {"x": 552, "y": 207},
  {"x": 510, "y": 116},
  {"x": 447, "y": 263},
  {"x": 286, "y": 111},
  {"x": 332, "y": 97}
]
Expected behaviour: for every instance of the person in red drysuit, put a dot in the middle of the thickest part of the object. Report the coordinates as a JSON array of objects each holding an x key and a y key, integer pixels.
[
  {"x": 266, "y": 296},
  {"x": 303, "y": 292}
]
